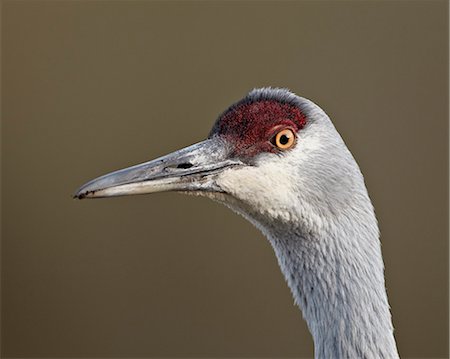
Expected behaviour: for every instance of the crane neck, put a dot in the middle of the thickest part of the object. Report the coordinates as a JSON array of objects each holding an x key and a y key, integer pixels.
[{"x": 336, "y": 276}]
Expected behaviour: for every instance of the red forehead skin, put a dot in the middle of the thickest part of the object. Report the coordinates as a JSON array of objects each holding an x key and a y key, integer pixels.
[{"x": 251, "y": 126}]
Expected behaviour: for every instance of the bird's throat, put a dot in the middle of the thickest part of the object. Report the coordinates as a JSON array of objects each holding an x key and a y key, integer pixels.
[{"x": 338, "y": 283}]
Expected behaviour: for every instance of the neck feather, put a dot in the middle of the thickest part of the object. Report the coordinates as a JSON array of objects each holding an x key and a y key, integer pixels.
[{"x": 336, "y": 277}]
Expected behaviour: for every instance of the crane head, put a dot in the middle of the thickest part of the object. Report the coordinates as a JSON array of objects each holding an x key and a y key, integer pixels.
[{"x": 260, "y": 157}]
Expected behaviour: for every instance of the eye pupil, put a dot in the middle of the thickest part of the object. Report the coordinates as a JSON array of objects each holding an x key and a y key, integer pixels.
[{"x": 284, "y": 139}]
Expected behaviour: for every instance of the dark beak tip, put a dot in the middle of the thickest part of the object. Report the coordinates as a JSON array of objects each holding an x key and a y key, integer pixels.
[{"x": 80, "y": 194}]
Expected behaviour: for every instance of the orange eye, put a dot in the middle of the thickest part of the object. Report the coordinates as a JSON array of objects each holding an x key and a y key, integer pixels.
[{"x": 285, "y": 139}]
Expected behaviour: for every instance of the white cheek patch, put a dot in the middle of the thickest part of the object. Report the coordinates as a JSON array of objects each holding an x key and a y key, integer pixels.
[
  {"x": 266, "y": 188},
  {"x": 275, "y": 186}
]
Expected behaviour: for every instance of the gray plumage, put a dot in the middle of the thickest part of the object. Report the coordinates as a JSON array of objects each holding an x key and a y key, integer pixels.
[{"x": 312, "y": 205}]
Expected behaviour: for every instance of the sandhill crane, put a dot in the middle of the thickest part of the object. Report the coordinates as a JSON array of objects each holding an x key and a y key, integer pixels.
[{"x": 277, "y": 159}]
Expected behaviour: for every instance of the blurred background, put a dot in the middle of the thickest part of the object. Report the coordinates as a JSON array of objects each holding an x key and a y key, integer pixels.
[{"x": 93, "y": 86}]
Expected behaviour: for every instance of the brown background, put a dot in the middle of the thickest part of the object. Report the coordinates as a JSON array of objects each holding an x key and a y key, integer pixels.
[{"x": 89, "y": 87}]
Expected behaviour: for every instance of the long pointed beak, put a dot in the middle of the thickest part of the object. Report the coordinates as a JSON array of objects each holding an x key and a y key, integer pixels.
[{"x": 193, "y": 168}]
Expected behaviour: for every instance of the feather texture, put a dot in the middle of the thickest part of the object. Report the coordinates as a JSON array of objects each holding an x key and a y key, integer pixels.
[{"x": 313, "y": 206}]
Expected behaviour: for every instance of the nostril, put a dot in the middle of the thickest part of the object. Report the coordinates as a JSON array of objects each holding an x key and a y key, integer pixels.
[{"x": 185, "y": 165}]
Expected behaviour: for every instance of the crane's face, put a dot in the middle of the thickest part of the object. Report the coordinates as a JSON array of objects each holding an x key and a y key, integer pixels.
[{"x": 248, "y": 156}]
